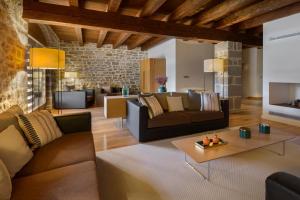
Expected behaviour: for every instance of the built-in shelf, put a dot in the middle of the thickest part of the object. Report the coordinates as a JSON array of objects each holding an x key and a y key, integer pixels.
[{"x": 286, "y": 105}]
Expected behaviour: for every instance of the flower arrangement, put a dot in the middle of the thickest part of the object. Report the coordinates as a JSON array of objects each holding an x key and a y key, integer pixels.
[{"x": 161, "y": 80}]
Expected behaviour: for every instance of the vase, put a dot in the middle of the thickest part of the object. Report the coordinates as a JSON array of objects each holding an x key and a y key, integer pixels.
[{"x": 162, "y": 89}]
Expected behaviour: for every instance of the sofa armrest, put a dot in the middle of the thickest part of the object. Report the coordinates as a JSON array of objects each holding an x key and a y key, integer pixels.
[
  {"x": 281, "y": 185},
  {"x": 137, "y": 118},
  {"x": 79, "y": 122},
  {"x": 225, "y": 109}
]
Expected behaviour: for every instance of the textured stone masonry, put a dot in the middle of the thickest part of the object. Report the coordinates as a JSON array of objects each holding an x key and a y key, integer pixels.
[
  {"x": 104, "y": 66},
  {"x": 13, "y": 78},
  {"x": 232, "y": 51}
]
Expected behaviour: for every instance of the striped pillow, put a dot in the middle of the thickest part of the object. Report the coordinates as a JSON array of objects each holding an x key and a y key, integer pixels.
[
  {"x": 210, "y": 101},
  {"x": 39, "y": 127},
  {"x": 154, "y": 108}
]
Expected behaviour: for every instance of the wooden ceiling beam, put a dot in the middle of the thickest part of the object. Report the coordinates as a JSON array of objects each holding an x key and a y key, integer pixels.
[
  {"x": 37, "y": 12},
  {"x": 101, "y": 38},
  {"x": 74, "y": 3},
  {"x": 253, "y": 11},
  {"x": 153, "y": 42},
  {"x": 150, "y": 7},
  {"x": 276, "y": 14},
  {"x": 221, "y": 10},
  {"x": 78, "y": 30},
  {"x": 121, "y": 39},
  {"x": 113, "y": 6},
  {"x": 187, "y": 8},
  {"x": 139, "y": 41}
]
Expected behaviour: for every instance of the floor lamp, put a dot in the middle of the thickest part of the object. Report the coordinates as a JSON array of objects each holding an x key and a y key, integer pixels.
[
  {"x": 47, "y": 58},
  {"x": 213, "y": 66}
]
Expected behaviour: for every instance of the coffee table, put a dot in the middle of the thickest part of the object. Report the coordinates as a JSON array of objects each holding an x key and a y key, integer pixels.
[{"x": 235, "y": 145}]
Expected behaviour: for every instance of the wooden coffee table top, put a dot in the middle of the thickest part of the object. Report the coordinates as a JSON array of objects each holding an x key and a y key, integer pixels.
[{"x": 235, "y": 143}]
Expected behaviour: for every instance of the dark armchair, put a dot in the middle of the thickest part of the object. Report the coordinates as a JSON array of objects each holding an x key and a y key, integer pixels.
[
  {"x": 281, "y": 185},
  {"x": 74, "y": 99}
]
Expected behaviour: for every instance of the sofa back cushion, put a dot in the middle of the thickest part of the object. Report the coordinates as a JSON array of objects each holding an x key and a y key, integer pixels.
[
  {"x": 185, "y": 98},
  {"x": 39, "y": 127},
  {"x": 162, "y": 99},
  {"x": 194, "y": 99}
]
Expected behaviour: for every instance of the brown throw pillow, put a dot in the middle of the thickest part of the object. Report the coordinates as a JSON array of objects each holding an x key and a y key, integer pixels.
[{"x": 154, "y": 108}]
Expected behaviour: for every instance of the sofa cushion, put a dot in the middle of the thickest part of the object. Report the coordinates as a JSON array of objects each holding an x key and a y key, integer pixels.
[
  {"x": 39, "y": 127},
  {"x": 194, "y": 100},
  {"x": 66, "y": 150},
  {"x": 14, "y": 151},
  {"x": 73, "y": 182},
  {"x": 199, "y": 116},
  {"x": 185, "y": 98},
  {"x": 169, "y": 119},
  {"x": 162, "y": 99}
]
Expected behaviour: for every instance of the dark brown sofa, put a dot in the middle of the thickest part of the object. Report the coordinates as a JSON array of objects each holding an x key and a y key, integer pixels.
[
  {"x": 64, "y": 169},
  {"x": 172, "y": 124}
]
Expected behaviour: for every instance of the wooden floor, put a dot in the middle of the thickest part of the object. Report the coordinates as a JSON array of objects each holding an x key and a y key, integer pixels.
[{"x": 109, "y": 134}]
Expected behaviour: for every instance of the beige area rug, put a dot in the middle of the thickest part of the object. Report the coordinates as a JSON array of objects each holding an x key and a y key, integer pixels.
[{"x": 157, "y": 171}]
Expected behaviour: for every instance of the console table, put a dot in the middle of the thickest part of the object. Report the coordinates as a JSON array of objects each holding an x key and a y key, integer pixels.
[{"x": 116, "y": 107}]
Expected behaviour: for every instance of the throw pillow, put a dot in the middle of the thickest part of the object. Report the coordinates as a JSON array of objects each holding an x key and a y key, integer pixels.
[
  {"x": 5, "y": 182},
  {"x": 14, "y": 151},
  {"x": 210, "y": 102},
  {"x": 194, "y": 100},
  {"x": 15, "y": 110},
  {"x": 175, "y": 104},
  {"x": 154, "y": 108},
  {"x": 39, "y": 127}
]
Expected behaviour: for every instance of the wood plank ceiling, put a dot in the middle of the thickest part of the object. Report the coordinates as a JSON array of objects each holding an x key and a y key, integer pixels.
[{"x": 238, "y": 18}]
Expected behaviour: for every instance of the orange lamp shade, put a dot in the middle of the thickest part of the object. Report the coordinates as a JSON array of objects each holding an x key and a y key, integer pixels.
[{"x": 46, "y": 58}]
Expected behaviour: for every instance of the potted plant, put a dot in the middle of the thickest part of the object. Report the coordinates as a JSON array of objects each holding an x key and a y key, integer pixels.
[{"x": 162, "y": 80}]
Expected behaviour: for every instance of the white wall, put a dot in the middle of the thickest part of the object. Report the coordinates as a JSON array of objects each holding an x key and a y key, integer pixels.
[
  {"x": 184, "y": 63},
  {"x": 167, "y": 50},
  {"x": 281, "y": 58},
  {"x": 252, "y": 72},
  {"x": 190, "y": 56}
]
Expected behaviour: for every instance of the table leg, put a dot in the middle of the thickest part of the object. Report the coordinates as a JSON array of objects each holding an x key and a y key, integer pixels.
[
  {"x": 196, "y": 170},
  {"x": 282, "y": 153}
]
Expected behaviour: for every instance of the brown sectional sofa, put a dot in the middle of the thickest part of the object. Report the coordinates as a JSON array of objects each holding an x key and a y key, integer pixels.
[
  {"x": 172, "y": 124},
  {"x": 64, "y": 169}
]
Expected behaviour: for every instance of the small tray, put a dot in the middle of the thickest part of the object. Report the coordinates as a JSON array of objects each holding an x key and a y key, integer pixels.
[{"x": 200, "y": 144}]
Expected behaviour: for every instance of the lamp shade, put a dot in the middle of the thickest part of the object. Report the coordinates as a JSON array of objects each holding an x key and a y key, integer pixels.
[
  {"x": 214, "y": 65},
  {"x": 46, "y": 58},
  {"x": 71, "y": 75}
]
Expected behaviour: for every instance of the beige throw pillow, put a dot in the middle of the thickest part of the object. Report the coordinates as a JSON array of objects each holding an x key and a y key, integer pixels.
[
  {"x": 175, "y": 104},
  {"x": 5, "y": 182},
  {"x": 14, "y": 151},
  {"x": 210, "y": 101},
  {"x": 154, "y": 108},
  {"x": 39, "y": 127}
]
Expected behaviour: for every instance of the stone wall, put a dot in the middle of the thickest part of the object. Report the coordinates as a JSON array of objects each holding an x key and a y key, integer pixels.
[
  {"x": 13, "y": 41},
  {"x": 232, "y": 77},
  {"x": 104, "y": 66}
]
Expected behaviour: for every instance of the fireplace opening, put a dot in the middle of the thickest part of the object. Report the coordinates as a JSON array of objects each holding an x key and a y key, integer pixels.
[{"x": 284, "y": 94}]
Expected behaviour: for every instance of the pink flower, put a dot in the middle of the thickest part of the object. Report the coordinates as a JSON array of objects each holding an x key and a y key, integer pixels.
[{"x": 161, "y": 80}]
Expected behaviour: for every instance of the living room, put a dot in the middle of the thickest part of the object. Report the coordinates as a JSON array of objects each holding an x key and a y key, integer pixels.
[{"x": 161, "y": 99}]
